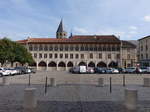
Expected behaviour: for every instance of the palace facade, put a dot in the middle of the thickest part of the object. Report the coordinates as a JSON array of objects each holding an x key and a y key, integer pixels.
[{"x": 62, "y": 53}]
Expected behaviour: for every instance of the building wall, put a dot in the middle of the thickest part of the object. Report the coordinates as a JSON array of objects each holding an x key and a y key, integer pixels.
[
  {"x": 144, "y": 51},
  {"x": 129, "y": 57},
  {"x": 110, "y": 54}
]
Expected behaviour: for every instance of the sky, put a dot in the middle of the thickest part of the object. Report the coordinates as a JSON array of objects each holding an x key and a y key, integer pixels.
[{"x": 127, "y": 19}]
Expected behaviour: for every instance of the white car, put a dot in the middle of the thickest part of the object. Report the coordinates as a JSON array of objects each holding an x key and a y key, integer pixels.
[
  {"x": 13, "y": 71},
  {"x": 4, "y": 72}
]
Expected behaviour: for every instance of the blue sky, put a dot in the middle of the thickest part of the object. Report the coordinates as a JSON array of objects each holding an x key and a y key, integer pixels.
[{"x": 129, "y": 19}]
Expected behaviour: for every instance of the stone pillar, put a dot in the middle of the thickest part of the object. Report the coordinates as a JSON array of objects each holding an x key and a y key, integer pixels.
[
  {"x": 5, "y": 81},
  {"x": 101, "y": 82},
  {"x": 57, "y": 66},
  {"x": 52, "y": 82},
  {"x": 131, "y": 97},
  {"x": 146, "y": 82},
  {"x": 46, "y": 65},
  {"x": 37, "y": 67},
  {"x": 30, "y": 101},
  {"x": 66, "y": 66}
]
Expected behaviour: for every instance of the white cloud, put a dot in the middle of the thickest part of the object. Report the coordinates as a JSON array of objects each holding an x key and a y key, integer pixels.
[
  {"x": 133, "y": 28},
  {"x": 147, "y": 18},
  {"x": 80, "y": 30}
]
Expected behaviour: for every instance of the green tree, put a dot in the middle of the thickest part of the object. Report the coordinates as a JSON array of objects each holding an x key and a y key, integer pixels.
[{"x": 11, "y": 51}]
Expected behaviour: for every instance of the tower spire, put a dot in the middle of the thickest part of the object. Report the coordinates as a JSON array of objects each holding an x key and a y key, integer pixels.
[{"x": 60, "y": 31}]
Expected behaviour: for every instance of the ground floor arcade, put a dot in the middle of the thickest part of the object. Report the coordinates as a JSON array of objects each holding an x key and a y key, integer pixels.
[{"x": 63, "y": 66}]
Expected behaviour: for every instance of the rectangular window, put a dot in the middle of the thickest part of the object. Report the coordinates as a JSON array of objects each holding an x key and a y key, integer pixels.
[
  {"x": 45, "y": 55},
  {"x": 50, "y": 55},
  {"x": 82, "y": 56},
  {"x": 118, "y": 56},
  {"x": 71, "y": 56},
  {"x": 77, "y": 56},
  {"x": 141, "y": 56},
  {"x": 141, "y": 48},
  {"x": 91, "y": 56},
  {"x": 56, "y": 55},
  {"x": 146, "y": 56},
  {"x": 66, "y": 56},
  {"x": 128, "y": 56},
  {"x": 61, "y": 55},
  {"x": 146, "y": 48},
  {"x": 100, "y": 56},
  {"x": 40, "y": 55},
  {"x": 35, "y": 55},
  {"x": 109, "y": 56}
]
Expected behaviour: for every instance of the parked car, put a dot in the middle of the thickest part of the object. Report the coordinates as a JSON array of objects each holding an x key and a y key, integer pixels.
[
  {"x": 83, "y": 69},
  {"x": 4, "y": 72},
  {"x": 32, "y": 70},
  {"x": 99, "y": 70},
  {"x": 90, "y": 70},
  {"x": 148, "y": 69},
  {"x": 23, "y": 70},
  {"x": 133, "y": 70},
  {"x": 112, "y": 70},
  {"x": 144, "y": 69},
  {"x": 121, "y": 70},
  {"x": 75, "y": 69},
  {"x": 12, "y": 71}
]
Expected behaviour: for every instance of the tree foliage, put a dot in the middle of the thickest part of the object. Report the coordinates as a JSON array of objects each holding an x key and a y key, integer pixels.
[{"x": 11, "y": 51}]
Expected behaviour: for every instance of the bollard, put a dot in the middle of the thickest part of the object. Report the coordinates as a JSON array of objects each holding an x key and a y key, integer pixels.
[
  {"x": 46, "y": 85},
  {"x": 101, "y": 82},
  {"x": 110, "y": 88},
  {"x": 5, "y": 81},
  {"x": 124, "y": 81},
  {"x": 131, "y": 99},
  {"x": 146, "y": 82},
  {"x": 30, "y": 101},
  {"x": 52, "y": 82},
  {"x": 29, "y": 83}
]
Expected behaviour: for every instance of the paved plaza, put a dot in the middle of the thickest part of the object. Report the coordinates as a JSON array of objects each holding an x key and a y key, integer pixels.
[{"x": 74, "y": 92}]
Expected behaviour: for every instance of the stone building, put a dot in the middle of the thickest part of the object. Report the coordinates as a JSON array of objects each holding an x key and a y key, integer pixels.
[
  {"x": 61, "y": 53},
  {"x": 144, "y": 51},
  {"x": 129, "y": 54}
]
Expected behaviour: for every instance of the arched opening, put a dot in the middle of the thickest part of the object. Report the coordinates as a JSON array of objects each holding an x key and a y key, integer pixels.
[
  {"x": 52, "y": 66},
  {"x": 62, "y": 66},
  {"x": 82, "y": 64},
  {"x": 113, "y": 64},
  {"x": 91, "y": 64},
  {"x": 101, "y": 64},
  {"x": 70, "y": 64},
  {"x": 42, "y": 65}
]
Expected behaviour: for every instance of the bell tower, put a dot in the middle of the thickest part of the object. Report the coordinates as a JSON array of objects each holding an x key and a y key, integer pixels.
[{"x": 60, "y": 31}]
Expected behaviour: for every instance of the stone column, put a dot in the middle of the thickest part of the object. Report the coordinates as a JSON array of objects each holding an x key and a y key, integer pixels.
[
  {"x": 131, "y": 97},
  {"x": 101, "y": 82},
  {"x": 52, "y": 82},
  {"x": 66, "y": 66},
  {"x": 30, "y": 101},
  {"x": 46, "y": 65},
  {"x": 57, "y": 66},
  {"x": 146, "y": 82}
]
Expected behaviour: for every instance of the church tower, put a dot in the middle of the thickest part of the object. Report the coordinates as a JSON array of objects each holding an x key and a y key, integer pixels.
[{"x": 60, "y": 31}]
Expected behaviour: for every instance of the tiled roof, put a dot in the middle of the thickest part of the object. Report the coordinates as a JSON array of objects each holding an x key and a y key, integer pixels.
[
  {"x": 22, "y": 41},
  {"x": 76, "y": 39},
  {"x": 127, "y": 44}
]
